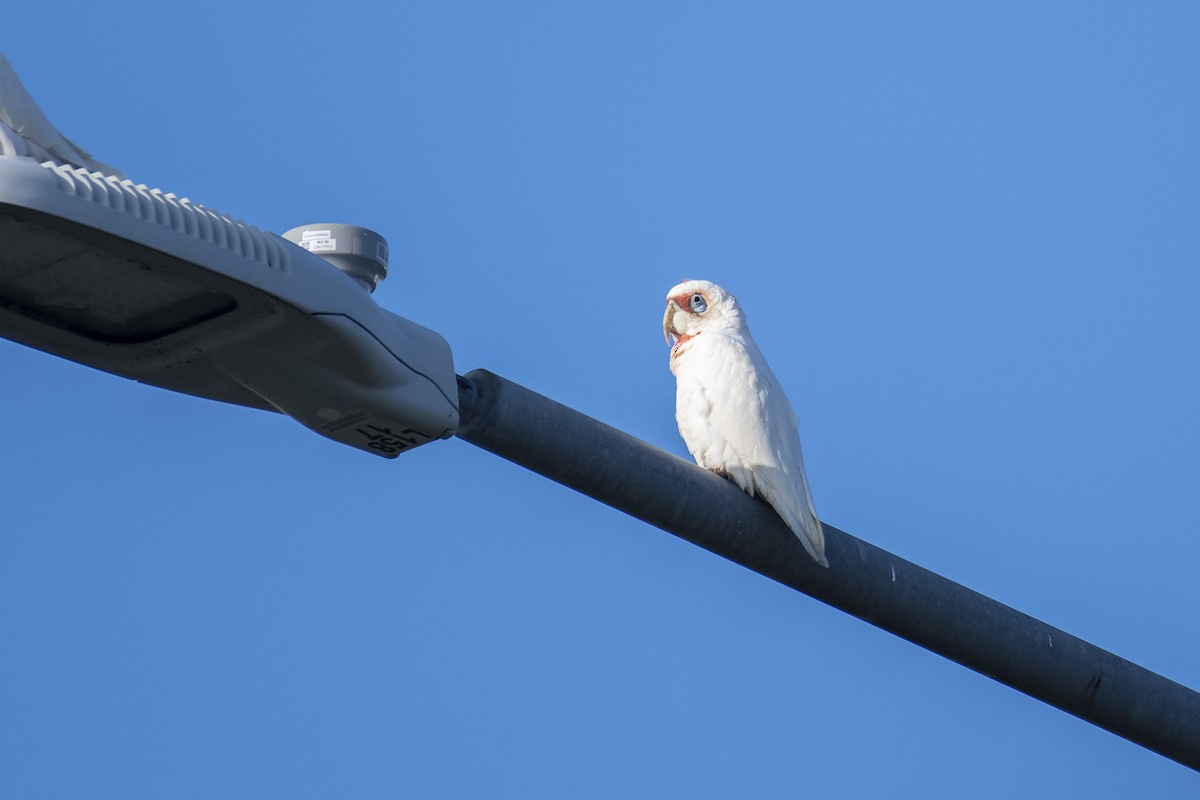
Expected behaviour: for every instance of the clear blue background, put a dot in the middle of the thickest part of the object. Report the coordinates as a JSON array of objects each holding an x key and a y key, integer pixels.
[{"x": 966, "y": 239}]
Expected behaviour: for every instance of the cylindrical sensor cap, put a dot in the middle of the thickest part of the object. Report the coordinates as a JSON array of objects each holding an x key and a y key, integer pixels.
[{"x": 359, "y": 252}]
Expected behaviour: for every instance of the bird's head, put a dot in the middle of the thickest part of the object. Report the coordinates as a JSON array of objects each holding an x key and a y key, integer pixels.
[{"x": 694, "y": 307}]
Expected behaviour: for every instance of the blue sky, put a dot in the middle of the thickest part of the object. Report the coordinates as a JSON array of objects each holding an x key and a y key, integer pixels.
[{"x": 965, "y": 238}]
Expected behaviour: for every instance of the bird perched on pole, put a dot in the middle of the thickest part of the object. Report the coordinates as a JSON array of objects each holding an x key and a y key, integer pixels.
[
  {"x": 25, "y": 130},
  {"x": 731, "y": 410}
]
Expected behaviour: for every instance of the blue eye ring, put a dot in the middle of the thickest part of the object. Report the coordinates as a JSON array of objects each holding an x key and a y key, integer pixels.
[{"x": 697, "y": 303}]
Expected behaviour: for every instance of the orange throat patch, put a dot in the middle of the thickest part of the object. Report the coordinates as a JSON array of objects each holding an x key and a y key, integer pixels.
[{"x": 680, "y": 341}]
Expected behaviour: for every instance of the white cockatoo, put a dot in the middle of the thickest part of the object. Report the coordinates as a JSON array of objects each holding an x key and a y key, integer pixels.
[
  {"x": 25, "y": 130},
  {"x": 731, "y": 410}
]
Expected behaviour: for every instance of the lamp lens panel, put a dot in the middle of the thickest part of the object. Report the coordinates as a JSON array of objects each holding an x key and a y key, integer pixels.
[{"x": 82, "y": 288}]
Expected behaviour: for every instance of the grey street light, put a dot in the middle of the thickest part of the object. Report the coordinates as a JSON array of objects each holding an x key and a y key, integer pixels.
[{"x": 155, "y": 288}]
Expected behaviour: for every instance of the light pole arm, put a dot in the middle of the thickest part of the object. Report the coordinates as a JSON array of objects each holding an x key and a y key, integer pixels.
[{"x": 872, "y": 584}]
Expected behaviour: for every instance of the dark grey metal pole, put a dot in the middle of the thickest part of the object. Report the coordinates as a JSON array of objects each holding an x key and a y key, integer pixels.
[{"x": 872, "y": 584}]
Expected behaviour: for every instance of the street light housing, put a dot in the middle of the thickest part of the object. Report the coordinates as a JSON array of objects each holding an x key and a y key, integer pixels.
[{"x": 152, "y": 287}]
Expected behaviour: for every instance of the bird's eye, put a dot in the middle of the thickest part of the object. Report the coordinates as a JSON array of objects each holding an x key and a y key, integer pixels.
[{"x": 697, "y": 303}]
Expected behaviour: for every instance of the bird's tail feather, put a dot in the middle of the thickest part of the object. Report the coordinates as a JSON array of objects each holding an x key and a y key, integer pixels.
[
  {"x": 810, "y": 533},
  {"x": 795, "y": 508}
]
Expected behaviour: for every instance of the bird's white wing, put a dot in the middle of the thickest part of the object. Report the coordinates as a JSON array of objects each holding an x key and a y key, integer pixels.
[
  {"x": 735, "y": 418},
  {"x": 25, "y": 130}
]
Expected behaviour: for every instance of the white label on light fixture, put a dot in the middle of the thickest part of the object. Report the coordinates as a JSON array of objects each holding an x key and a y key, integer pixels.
[{"x": 316, "y": 241}]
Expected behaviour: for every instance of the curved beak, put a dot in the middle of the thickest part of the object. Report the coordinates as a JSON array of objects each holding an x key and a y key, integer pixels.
[{"x": 668, "y": 318}]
